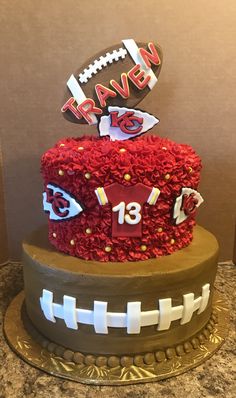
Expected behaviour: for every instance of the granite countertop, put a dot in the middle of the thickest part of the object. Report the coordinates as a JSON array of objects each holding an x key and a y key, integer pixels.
[{"x": 214, "y": 378}]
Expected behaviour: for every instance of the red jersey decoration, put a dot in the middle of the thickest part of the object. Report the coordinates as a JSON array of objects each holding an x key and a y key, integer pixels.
[{"x": 127, "y": 203}]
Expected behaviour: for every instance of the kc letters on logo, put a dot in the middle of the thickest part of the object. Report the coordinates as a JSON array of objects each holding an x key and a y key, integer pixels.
[
  {"x": 124, "y": 123},
  {"x": 60, "y": 205},
  {"x": 128, "y": 122}
]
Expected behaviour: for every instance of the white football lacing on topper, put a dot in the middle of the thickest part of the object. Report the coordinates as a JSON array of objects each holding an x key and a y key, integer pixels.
[
  {"x": 133, "y": 319},
  {"x": 100, "y": 63}
]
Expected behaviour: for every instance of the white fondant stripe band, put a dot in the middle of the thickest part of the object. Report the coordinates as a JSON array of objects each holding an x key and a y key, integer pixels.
[
  {"x": 76, "y": 90},
  {"x": 133, "y": 319},
  {"x": 78, "y": 94},
  {"x": 133, "y": 50}
]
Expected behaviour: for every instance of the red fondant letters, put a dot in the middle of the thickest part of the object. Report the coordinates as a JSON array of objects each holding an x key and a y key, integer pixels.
[
  {"x": 124, "y": 89},
  {"x": 86, "y": 107},
  {"x": 103, "y": 93},
  {"x": 153, "y": 56},
  {"x": 189, "y": 204},
  {"x": 128, "y": 123},
  {"x": 58, "y": 202},
  {"x": 69, "y": 105},
  {"x": 137, "y": 76}
]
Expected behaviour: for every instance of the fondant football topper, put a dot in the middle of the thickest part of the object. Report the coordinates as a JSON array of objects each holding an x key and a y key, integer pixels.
[{"x": 121, "y": 75}]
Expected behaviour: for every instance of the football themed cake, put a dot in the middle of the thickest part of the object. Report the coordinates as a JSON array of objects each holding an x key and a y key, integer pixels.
[{"x": 119, "y": 286}]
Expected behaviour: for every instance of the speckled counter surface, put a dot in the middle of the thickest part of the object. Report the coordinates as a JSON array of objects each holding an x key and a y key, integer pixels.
[{"x": 214, "y": 378}]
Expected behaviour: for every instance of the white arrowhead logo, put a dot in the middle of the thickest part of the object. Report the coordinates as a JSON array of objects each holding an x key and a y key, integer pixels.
[
  {"x": 60, "y": 205},
  {"x": 124, "y": 123}
]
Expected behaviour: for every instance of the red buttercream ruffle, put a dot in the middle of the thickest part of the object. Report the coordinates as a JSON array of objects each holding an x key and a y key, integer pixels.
[{"x": 148, "y": 159}]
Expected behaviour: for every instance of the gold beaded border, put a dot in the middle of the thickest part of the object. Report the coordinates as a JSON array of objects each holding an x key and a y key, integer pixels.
[{"x": 115, "y": 370}]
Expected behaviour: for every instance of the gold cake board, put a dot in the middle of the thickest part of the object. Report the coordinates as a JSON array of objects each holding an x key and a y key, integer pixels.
[{"x": 24, "y": 345}]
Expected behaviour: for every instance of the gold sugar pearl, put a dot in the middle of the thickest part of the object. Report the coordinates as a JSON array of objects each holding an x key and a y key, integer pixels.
[
  {"x": 108, "y": 249},
  {"x": 61, "y": 172},
  {"x": 88, "y": 231},
  {"x": 167, "y": 176},
  {"x": 172, "y": 241},
  {"x": 159, "y": 229},
  {"x": 164, "y": 148},
  {"x": 87, "y": 176},
  {"x": 80, "y": 148},
  {"x": 122, "y": 150},
  {"x": 62, "y": 144},
  {"x": 143, "y": 248},
  {"x": 72, "y": 242},
  {"x": 190, "y": 169},
  {"x": 54, "y": 235},
  {"x": 127, "y": 177}
]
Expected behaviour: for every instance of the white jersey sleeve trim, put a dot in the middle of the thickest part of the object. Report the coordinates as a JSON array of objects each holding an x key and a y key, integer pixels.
[{"x": 101, "y": 196}]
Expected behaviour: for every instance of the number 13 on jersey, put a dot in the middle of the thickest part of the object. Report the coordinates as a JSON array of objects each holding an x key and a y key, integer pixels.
[{"x": 133, "y": 215}]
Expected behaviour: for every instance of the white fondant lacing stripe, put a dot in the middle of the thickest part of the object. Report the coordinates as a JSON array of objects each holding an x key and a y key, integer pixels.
[
  {"x": 101, "y": 63},
  {"x": 69, "y": 307},
  {"x": 133, "y": 319},
  {"x": 47, "y": 305},
  {"x": 100, "y": 317}
]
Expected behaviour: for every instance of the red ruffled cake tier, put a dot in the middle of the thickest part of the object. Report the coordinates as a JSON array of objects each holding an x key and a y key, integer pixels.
[{"x": 81, "y": 165}]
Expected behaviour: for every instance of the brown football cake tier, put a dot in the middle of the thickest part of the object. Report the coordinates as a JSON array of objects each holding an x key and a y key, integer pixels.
[{"x": 119, "y": 308}]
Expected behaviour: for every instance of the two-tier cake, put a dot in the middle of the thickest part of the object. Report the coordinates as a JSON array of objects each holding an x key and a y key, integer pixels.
[{"x": 121, "y": 278}]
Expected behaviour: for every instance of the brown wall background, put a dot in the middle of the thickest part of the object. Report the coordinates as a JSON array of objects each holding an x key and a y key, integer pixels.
[
  {"x": 43, "y": 42},
  {"x": 3, "y": 231}
]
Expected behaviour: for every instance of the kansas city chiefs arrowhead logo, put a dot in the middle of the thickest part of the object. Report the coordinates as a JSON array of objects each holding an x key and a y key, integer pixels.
[
  {"x": 59, "y": 204},
  {"x": 125, "y": 123}
]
